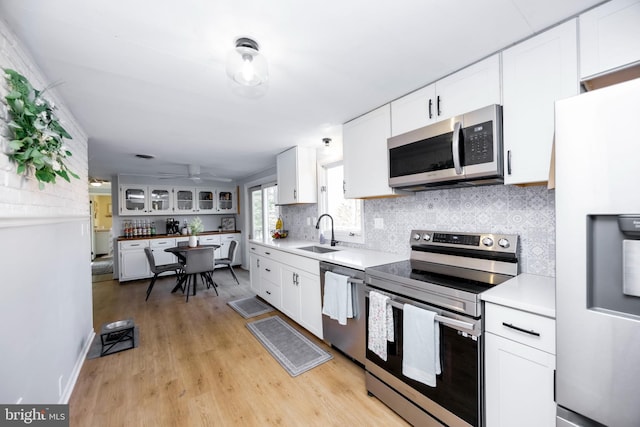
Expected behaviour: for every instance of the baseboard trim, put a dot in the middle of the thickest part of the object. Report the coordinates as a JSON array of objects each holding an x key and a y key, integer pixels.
[{"x": 73, "y": 378}]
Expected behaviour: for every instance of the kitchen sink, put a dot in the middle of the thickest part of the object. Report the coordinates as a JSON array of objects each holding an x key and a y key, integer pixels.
[{"x": 318, "y": 249}]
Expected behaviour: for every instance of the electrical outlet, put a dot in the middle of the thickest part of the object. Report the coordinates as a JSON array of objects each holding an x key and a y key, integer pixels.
[
  {"x": 308, "y": 220},
  {"x": 378, "y": 223}
]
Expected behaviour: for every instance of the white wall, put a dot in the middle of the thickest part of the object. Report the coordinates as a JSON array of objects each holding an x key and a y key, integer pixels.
[{"x": 45, "y": 286}]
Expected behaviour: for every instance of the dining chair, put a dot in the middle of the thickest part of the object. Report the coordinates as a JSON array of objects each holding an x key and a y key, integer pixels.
[
  {"x": 199, "y": 262},
  {"x": 229, "y": 260},
  {"x": 159, "y": 269}
]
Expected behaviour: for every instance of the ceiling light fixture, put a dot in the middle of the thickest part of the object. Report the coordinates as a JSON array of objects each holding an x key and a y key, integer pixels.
[
  {"x": 95, "y": 182},
  {"x": 245, "y": 65},
  {"x": 326, "y": 141}
]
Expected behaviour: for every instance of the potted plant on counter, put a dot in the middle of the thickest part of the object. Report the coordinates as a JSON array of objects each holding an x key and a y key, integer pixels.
[{"x": 195, "y": 227}]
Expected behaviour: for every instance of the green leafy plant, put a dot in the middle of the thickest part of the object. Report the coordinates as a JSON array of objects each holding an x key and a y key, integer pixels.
[
  {"x": 37, "y": 145},
  {"x": 196, "y": 226}
]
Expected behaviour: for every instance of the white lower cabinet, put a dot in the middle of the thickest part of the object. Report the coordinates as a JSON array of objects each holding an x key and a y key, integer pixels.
[
  {"x": 301, "y": 298},
  {"x": 291, "y": 283},
  {"x": 133, "y": 261},
  {"x": 161, "y": 257},
  {"x": 519, "y": 368}
]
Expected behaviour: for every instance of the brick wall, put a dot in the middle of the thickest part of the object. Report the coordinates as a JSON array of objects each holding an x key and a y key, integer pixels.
[{"x": 19, "y": 196}]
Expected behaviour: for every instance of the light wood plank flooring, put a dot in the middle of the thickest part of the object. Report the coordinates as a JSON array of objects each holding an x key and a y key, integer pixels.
[{"x": 198, "y": 365}]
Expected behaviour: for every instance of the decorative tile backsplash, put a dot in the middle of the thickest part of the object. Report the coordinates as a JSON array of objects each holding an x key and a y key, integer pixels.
[{"x": 526, "y": 211}]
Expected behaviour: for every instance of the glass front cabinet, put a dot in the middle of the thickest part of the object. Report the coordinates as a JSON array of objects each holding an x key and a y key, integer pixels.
[
  {"x": 226, "y": 200},
  {"x": 134, "y": 200},
  {"x": 159, "y": 200}
]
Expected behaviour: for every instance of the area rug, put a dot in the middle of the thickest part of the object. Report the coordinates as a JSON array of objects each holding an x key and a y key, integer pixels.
[
  {"x": 250, "y": 307},
  {"x": 102, "y": 265},
  {"x": 289, "y": 347},
  {"x": 96, "y": 345}
]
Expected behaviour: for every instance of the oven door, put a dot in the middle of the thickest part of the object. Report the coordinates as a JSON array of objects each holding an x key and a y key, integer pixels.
[{"x": 455, "y": 398}]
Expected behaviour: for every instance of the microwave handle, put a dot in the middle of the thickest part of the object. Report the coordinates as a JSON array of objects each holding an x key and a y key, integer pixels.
[{"x": 455, "y": 146}]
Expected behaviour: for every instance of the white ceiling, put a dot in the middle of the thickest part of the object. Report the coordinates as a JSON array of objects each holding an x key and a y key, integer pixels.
[{"x": 148, "y": 76}]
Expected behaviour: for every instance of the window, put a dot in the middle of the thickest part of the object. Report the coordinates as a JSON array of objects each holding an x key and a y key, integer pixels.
[
  {"x": 347, "y": 214},
  {"x": 264, "y": 212}
]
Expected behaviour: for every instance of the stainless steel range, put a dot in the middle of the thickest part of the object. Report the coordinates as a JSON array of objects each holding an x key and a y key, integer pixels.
[{"x": 445, "y": 274}]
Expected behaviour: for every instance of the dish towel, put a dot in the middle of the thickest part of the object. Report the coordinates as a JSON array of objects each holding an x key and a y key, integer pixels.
[
  {"x": 338, "y": 297},
  {"x": 380, "y": 323},
  {"x": 421, "y": 348}
]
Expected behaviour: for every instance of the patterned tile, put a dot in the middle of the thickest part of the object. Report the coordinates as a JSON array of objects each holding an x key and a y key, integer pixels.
[{"x": 528, "y": 212}]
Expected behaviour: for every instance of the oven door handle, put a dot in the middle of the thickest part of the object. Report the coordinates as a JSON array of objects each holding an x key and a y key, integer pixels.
[{"x": 458, "y": 324}]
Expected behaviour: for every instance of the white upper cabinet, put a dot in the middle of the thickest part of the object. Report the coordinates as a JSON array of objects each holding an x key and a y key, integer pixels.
[
  {"x": 365, "y": 157},
  {"x": 296, "y": 172},
  {"x": 469, "y": 89},
  {"x": 466, "y": 90},
  {"x": 609, "y": 37},
  {"x": 226, "y": 200},
  {"x": 536, "y": 73},
  {"x": 145, "y": 200},
  {"x": 414, "y": 110}
]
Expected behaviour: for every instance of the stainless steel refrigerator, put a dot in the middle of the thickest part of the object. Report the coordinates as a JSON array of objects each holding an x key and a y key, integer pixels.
[{"x": 598, "y": 257}]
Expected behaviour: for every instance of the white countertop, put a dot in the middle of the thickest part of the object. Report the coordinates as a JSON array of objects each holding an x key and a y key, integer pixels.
[
  {"x": 528, "y": 292},
  {"x": 346, "y": 256}
]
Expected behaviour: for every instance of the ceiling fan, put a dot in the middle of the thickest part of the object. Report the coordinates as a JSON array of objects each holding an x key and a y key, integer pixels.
[{"x": 193, "y": 173}]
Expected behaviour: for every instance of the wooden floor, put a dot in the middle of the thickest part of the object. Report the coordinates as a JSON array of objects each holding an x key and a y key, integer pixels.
[{"x": 198, "y": 365}]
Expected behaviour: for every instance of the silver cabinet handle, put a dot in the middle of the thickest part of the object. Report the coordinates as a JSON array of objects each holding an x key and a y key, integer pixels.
[
  {"x": 455, "y": 147},
  {"x": 509, "y": 162},
  {"x": 438, "y": 105},
  {"x": 430, "y": 105},
  {"x": 530, "y": 332}
]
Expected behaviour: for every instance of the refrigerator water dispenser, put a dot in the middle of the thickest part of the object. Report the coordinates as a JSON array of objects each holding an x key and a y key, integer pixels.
[{"x": 613, "y": 276}]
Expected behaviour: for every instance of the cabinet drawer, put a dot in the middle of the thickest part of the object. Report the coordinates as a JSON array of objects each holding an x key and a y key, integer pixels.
[
  {"x": 301, "y": 263},
  {"x": 162, "y": 243},
  {"x": 209, "y": 240},
  {"x": 520, "y": 326},
  {"x": 135, "y": 244},
  {"x": 272, "y": 293},
  {"x": 270, "y": 271}
]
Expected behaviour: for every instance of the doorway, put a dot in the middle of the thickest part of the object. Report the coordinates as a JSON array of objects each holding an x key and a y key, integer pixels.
[{"x": 101, "y": 232}]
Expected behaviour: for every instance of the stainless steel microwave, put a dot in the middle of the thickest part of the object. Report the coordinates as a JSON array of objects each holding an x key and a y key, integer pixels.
[{"x": 465, "y": 150}]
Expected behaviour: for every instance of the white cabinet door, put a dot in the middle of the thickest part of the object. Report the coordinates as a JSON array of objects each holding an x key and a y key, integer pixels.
[
  {"x": 205, "y": 200},
  {"x": 366, "y": 164},
  {"x": 469, "y": 89},
  {"x": 160, "y": 200},
  {"x": 310, "y": 303},
  {"x": 473, "y": 87},
  {"x": 270, "y": 282},
  {"x": 254, "y": 273},
  {"x": 296, "y": 174},
  {"x": 290, "y": 292},
  {"x": 518, "y": 384},
  {"x": 133, "y": 261},
  {"x": 185, "y": 200},
  {"x": 609, "y": 37},
  {"x": 134, "y": 200},
  {"x": 414, "y": 110},
  {"x": 536, "y": 73},
  {"x": 158, "y": 247},
  {"x": 226, "y": 200}
]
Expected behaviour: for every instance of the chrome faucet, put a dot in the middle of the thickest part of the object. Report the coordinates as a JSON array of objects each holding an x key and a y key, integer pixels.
[{"x": 333, "y": 237}]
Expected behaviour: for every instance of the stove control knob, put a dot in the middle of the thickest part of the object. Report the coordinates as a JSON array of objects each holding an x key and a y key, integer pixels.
[
  {"x": 416, "y": 236},
  {"x": 426, "y": 237},
  {"x": 487, "y": 241},
  {"x": 504, "y": 243}
]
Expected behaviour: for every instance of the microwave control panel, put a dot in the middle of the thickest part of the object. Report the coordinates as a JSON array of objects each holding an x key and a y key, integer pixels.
[{"x": 478, "y": 144}]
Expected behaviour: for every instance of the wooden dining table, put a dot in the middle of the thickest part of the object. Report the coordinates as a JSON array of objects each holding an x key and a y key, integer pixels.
[{"x": 180, "y": 252}]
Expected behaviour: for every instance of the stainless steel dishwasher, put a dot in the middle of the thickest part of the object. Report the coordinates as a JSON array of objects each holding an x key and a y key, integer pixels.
[{"x": 349, "y": 338}]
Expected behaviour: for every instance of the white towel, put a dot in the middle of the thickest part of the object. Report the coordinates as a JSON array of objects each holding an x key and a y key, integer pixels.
[
  {"x": 338, "y": 297},
  {"x": 380, "y": 323},
  {"x": 421, "y": 348}
]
